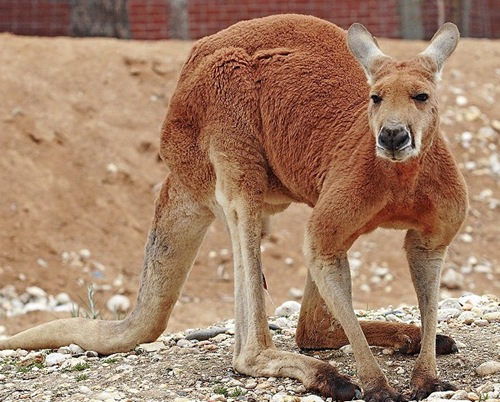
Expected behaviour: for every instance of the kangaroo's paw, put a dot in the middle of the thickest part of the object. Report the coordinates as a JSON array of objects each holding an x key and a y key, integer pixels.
[
  {"x": 410, "y": 345},
  {"x": 331, "y": 384},
  {"x": 421, "y": 389},
  {"x": 445, "y": 345}
]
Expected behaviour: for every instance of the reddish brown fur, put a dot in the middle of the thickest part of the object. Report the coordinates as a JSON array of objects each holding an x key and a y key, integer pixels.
[{"x": 274, "y": 111}]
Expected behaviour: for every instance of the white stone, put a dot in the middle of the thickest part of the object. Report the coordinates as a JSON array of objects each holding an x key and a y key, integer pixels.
[
  {"x": 487, "y": 368},
  {"x": 441, "y": 395},
  {"x": 346, "y": 349},
  {"x": 71, "y": 350},
  {"x": 466, "y": 237},
  {"x": 492, "y": 317},
  {"x": 85, "y": 253},
  {"x": 72, "y": 362},
  {"x": 472, "y": 113},
  {"x": 8, "y": 353},
  {"x": 75, "y": 349},
  {"x": 217, "y": 398},
  {"x": 466, "y": 136},
  {"x": 472, "y": 299},
  {"x": 296, "y": 293},
  {"x": 118, "y": 303},
  {"x": 460, "y": 395},
  {"x": 450, "y": 303},
  {"x": 393, "y": 318},
  {"x": 461, "y": 100},
  {"x": 285, "y": 398},
  {"x": 251, "y": 384},
  {"x": 452, "y": 279},
  {"x": 153, "y": 346},
  {"x": 63, "y": 298},
  {"x": 446, "y": 314},
  {"x": 355, "y": 263},
  {"x": 35, "y": 306},
  {"x": 84, "y": 389},
  {"x": 109, "y": 396},
  {"x": 55, "y": 358},
  {"x": 468, "y": 317},
  {"x": 312, "y": 398},
  {"x": 445, "y": 400},
  {"x": 233, "y": 382},
  {"x": 287, "y": 308},
  {"x": 184, "y": 343},
  {"x": 35, "y": 291}
]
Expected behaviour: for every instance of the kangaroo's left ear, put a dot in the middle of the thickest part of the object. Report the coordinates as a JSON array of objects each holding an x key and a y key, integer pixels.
[{"x": 442, "y": 45}]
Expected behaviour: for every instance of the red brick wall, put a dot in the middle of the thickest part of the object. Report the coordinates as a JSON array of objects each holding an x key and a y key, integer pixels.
[
  {"x": 149, "y": 19},
  {"x": 484, "y": 19},
  {"x": 35, "y": 17},
  {"x": 381, "y": 17}
]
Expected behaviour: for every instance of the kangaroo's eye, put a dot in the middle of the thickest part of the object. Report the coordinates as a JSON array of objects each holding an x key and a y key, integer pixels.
[
  {"x": 376, "y": 98},
  {"x": 421, "y": 97}
]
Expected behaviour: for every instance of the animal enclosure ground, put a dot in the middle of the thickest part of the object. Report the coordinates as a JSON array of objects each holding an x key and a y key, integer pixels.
[{"x": 79, "y": 134}]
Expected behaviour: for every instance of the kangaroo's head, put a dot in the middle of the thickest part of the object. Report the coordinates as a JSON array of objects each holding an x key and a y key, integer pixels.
[{"x": 403, "y": 111}]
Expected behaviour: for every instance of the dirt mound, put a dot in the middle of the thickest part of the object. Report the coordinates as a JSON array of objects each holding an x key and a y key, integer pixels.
[{"x": 79, "y": 129}]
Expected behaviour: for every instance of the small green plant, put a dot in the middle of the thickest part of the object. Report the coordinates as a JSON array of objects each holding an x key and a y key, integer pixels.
[
  {"x": 25, "y": 368},
  {"x": 221, "y": 390},
  {"x": 110, "y": 360},
  {"x": 483, "y": 397},
  {"x": 82, "y": 377},
  {"x": 80, "y": 367},
  {"x": 236, "y": 392},
  {"x": 90, "y": 306}
]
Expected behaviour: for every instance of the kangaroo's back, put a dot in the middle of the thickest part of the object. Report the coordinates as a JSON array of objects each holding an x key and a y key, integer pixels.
[{"x": 296, "y": 85}]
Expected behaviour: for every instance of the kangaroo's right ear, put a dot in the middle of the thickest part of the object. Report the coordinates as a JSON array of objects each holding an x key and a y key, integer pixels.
[
  {"x": 442, "y": 45},
  {"x": 364, "y": 47}
]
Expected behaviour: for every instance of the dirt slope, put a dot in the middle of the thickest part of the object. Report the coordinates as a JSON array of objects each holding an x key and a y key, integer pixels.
[{"x": 79, "y": 128}]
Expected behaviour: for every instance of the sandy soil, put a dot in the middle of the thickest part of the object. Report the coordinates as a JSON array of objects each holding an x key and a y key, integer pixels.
[{"x": 79, "y": 129}]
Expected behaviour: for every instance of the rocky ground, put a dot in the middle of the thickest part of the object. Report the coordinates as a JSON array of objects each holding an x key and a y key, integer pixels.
[{"x": 196, "y": 365}]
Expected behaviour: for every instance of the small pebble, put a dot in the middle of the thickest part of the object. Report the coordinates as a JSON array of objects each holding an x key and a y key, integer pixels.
[
  {"x": 36, "y": 292},
  {"x": 118, "y": 304},
  {"x": 347, "y": 350},
  {"x": 468, "y": 317},
  {"x": 152, "y": 346},
  {"x": 492, "y": 317},
  {"x": 460, "y": 394},
  {"x": 287, "y": 308},
  {"x": 441, "y": 395},
  {"x": 55, "y": 358},
  {"x": 184, "y": 343},
  {"x": 217, "y": 398}
]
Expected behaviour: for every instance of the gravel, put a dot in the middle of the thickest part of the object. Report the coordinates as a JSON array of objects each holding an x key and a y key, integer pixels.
[{"x": 196, "y": 365}]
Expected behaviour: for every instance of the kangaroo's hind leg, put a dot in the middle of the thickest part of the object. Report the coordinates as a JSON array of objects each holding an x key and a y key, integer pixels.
[
  {"x": 318, "y": 329},
  {"x": 177, "y": 231}
]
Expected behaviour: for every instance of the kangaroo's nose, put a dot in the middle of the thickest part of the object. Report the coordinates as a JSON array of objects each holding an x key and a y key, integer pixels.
[{"x": 394, "y": 138}]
